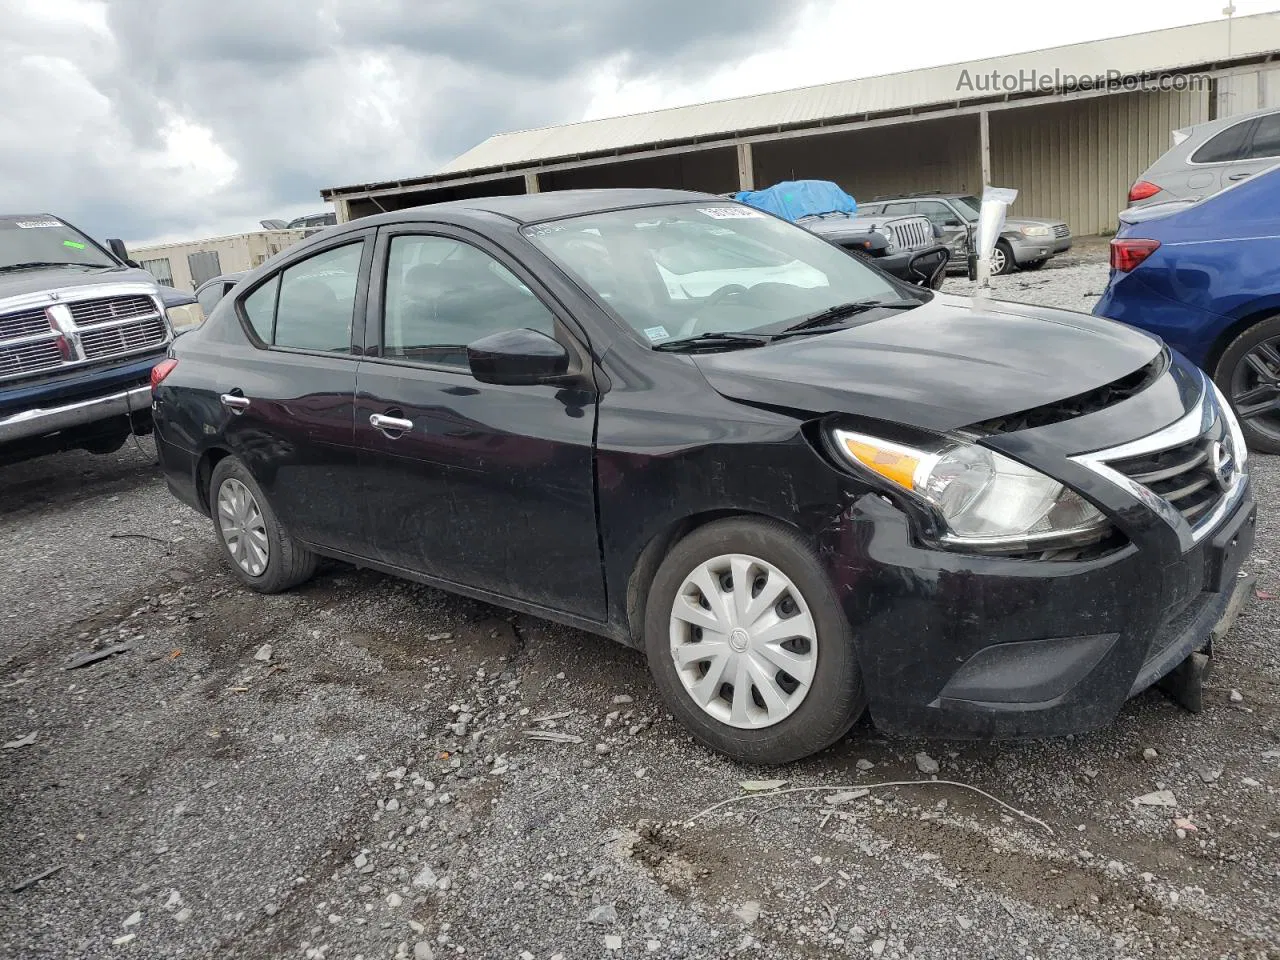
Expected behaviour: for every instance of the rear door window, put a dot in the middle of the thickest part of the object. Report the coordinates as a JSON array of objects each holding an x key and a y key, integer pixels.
[
  {"x": 310, "y": 304},
  {"x": 1266, "y": 139},
  {"x": 1225, "y": 146}
]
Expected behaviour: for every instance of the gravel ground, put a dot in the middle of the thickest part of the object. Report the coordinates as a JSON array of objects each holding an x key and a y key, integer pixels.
[{"x": 346, "y": 771}]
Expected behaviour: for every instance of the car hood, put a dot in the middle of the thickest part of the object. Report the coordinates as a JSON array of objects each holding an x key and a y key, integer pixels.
[
  {"x": 1016, "y": 222},
  {"x": 952, "y": 362},
  {"x": 23, "y": 282}
]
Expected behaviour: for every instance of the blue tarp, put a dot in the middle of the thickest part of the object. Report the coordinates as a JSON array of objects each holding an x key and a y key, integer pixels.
[{"x": 793, "y": 199}]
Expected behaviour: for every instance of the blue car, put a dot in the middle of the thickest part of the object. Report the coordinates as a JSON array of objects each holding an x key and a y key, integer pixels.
[{"x": 1205, "y": 277}]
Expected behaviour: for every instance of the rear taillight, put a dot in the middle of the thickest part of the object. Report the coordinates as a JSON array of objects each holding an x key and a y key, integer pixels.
[
  {"x": 1141, "y": 190},
  {"x": 162, "y": 370},
  {"x": 1127, "y": 254}
]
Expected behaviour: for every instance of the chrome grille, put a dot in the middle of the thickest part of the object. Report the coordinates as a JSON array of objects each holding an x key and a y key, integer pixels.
[
  {"x": 88, "y": 313},
  {"x": 23, "y": 324},
  {"x": 122, "y": 338},
  {"x": 912, "y": 232},
  {"x": 1061, "y": 230},
  {"x": 20, "y": 358},
  {"x": 1182, "y": 475}
]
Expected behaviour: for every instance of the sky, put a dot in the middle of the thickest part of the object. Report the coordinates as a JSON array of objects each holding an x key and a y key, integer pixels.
[{"x": 175, "y": 119}]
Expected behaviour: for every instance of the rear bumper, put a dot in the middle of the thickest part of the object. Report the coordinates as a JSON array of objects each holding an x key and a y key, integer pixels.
[
  {"x": 967, "y": 647},
  {"x": 41, "y": 421}
]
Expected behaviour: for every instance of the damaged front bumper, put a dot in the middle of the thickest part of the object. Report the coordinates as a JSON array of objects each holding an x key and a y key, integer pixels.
[
  {"x": 959, "y": 645},
  {"x": 970, "y": 647}
]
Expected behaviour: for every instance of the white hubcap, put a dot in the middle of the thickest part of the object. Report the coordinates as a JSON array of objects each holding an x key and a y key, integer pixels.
[
  {"x": 743, "y": 641},
  {"x": 242, "y": 527}
]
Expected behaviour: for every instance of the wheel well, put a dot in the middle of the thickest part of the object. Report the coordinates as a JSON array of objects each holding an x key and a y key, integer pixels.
[
  {"x": 204, "y": 473},
  {"x": 651, "y": 557},
  {"x": 1224, "y": 339}
]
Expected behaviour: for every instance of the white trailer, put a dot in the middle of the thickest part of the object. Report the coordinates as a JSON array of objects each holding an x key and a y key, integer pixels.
[{"x": 184, "y": 266}]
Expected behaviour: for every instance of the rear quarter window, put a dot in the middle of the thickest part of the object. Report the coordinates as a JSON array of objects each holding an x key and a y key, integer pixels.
[{"x": 1223, "y": 147}]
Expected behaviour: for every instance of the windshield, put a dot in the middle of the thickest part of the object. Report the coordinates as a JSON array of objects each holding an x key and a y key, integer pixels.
[
  {"x": 679, "y": 271},
  {"x": 969, "y": 207},
  {"x": 46, "y": 240}
]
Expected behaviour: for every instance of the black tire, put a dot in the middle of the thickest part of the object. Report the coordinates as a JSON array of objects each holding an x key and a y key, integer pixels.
[
  {"x": 836, "y": 698},
  {"x": 288, "y": 562},
  {"x": 1263, "y": 433},
  {"x": 1034, "y": 264},
  {"x": 1008, "y": 266}
]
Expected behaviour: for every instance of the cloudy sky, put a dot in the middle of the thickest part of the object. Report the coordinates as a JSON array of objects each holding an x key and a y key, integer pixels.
[{"x": 177, "y": 119}]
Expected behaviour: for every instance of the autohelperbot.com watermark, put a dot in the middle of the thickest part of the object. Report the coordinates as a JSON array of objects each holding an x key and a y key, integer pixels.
[{"x": 1032, "y": 80}]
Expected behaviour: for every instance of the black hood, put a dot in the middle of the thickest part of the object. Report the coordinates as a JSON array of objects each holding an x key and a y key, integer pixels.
[
  {"x": 19, "y": 282},
  {"x": 952, "y": 362}
]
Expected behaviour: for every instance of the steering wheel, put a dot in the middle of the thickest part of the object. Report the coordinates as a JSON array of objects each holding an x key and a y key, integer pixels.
[{"x": 724, "y": 293}]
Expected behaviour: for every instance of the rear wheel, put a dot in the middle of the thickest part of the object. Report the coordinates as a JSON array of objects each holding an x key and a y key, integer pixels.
[
  {"x": 261, "y": 552},
  {"x": 748, "y": 645},
  {"x": 1249, "y": 376}
]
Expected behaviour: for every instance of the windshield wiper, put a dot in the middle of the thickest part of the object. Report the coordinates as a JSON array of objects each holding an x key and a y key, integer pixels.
[
  {"x": 726, "y": 339},
  {"x": 31, "y": 264},
  {"x": 842, "y": 311}
]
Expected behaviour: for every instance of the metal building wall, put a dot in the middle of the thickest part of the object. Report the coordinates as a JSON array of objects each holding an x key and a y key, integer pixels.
[
  {"x": 1077, "y": 159},
  {"x": 1246, "y": 92},
  {"x": 940, "y": 154}
]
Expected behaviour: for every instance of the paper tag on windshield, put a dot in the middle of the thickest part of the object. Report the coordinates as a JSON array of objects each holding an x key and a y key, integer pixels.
[
  {"x": 657, "y": 333},
  {"x": 29, "y": 224},
  {"x": 730, "y": 213}
]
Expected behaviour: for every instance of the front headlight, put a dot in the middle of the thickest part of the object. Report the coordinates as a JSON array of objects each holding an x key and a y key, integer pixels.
[
  {"x": 1036, "y": 231},
  {"x": 984, "y": 501},
  {"x": 184, "y": 318},
  {"x": 890, "y": 236}
]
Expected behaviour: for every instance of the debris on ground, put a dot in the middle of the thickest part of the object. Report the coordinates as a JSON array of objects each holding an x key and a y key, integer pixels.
[
  {"x": 26, "y": 741},
  {"x": 94, "y": 656},
  {"x": 926, "y": 764}
]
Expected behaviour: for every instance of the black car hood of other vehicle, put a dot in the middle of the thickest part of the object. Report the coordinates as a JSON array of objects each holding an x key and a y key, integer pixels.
[
  {"x": 35, "y": 279},
  {"x": 952, "y": 362}
]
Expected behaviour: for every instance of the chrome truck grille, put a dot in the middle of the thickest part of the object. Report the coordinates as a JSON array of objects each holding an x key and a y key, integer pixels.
[
  {"x": 1061, "y": 230},
  {"x": 912, "y": 233},
  {"x": 63, "y": 329}
]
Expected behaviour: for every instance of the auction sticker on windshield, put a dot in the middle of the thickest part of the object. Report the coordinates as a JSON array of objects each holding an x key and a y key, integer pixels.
[
  {"x": 656, "y": 333},
  {"x": 730, "y": 213},
  {"x": 29, "y": 224}
]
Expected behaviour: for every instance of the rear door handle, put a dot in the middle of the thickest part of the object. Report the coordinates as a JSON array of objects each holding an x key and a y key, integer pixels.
[
  {"x": 1239, "y": 176},
  {"x": 391, "y": 427},
  {"x": 235, "y": 403}
]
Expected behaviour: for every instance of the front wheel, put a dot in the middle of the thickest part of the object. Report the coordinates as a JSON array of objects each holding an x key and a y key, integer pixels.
[
  {"x": 748, "y": 645},
  {"x": 261, "y": 552},
  {"x": 1002, "y": 259},
  {"x": 1248, "y": 374}
]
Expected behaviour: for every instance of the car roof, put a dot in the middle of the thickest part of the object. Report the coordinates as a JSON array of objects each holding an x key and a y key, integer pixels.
[
  {"x": 222, "y": 278},
  {"x": 552, "y": 205}
]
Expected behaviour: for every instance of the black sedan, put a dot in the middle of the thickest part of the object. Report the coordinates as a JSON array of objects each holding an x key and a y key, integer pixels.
[{"x": 802, "y": 487}]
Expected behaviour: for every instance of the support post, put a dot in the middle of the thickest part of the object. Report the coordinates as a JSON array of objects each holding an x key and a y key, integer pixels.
[
  {"x": 342, "y": 209},
  {"x": 984, "y": 141},
  {"x": 746, "y": 168},
  {"x": 531, "y": 183}
]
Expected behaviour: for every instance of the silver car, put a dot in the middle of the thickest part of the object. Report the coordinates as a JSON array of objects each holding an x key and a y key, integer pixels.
[
  {"x": 1209, "y": 157},
  {"x": 1025, "y": 243}
]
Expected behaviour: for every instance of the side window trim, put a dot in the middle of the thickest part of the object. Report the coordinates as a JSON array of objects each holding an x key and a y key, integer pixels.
[
  {"x": 568, "y": 331},
  {"x": 359, "y": 307}
]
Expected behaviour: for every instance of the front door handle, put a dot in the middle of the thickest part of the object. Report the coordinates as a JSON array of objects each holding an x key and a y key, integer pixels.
[
  {"x": 391, "y": 427},
  {"x": 235, "y": 403},
  {"x": 1239, "y": 176}
]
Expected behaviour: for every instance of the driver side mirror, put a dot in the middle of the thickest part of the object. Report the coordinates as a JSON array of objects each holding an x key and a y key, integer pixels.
[
  {"x": 120, "y": 252},
  {"x": 517, "y": 358}
]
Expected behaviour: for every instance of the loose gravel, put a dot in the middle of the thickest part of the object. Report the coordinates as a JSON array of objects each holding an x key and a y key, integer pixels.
[{"x": 369, "y": 768}]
